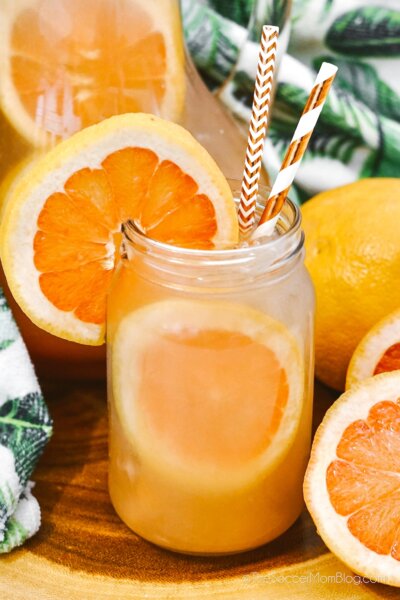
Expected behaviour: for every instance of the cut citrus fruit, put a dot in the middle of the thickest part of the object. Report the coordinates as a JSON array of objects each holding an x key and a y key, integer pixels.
[
  {"x": 378, "y": 352},
  {"x": 67, "y": 64},
  {"x": 352, "y": 483},
  {"x": 226, "y": 397},
  {"x": 61, "y": 225}
]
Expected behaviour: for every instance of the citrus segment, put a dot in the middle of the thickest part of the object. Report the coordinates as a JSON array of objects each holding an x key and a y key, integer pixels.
[
  {"x": 390, "y": 361},
  {"x": 344, "y": 477},
  {"x": 52, "y": 253},
  {"x": 61, "y": 228},
  {"x": 378, "y": 351},
  {"x": 226, "y": 396},
  {"x": 129, "y": 170},
  {"x": 193, "y": 222},
  {"x": 91, "y": 193},
  {"x": 377, "y": 525},
  {"x": 67, "y": 66},
  {"x": 61, "y": 218},
  {"x": 352, "y": 483},
  {"x": 82, "y": 290}
]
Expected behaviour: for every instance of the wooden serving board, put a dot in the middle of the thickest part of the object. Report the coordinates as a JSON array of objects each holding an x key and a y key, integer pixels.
[{"x": 84, "y": 552}]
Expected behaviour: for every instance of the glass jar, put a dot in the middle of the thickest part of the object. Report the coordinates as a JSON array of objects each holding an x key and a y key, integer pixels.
[{"x": 210, "y": 358}]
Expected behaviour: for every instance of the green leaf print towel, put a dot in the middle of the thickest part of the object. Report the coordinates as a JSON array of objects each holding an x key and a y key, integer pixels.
[
  {"x": 25, "y": 427},
  {"x": 358, "y": 133}
]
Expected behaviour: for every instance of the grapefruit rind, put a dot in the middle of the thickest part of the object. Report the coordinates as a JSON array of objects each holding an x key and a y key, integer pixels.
[
  {"x": 88, "y": 148},
  {"x": 144, "y": 325},
  {"x": 352, "y": 405},
  {"x": 13, "y": 108},
  {"x": 372, "y": 347}
]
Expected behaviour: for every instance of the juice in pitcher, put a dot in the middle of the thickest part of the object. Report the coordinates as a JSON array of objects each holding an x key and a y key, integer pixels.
[{"x": 67, "y": 64}]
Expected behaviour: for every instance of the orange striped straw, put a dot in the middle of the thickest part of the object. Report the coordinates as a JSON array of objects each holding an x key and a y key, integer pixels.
[
  {"x": 296, "y": 149},
  {"x": 257, "y": 128}
]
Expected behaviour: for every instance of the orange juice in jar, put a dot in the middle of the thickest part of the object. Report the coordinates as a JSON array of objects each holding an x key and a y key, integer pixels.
[{"x": 210, "y": 358}]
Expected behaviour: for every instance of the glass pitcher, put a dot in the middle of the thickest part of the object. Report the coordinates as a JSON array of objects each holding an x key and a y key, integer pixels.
[{"x": 67, "y": 64}]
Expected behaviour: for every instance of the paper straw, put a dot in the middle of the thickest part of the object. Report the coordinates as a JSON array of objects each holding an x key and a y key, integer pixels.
[
  {"x": 296, "y": 149},
  {"x": 257, "y": 128}
]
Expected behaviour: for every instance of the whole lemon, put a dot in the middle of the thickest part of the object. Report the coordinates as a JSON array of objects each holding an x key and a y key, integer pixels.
[{"x": 353, "y": 255}]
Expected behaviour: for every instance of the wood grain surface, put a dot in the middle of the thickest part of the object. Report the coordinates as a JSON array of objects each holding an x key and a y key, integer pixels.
[{"x": 84, "y": 552}]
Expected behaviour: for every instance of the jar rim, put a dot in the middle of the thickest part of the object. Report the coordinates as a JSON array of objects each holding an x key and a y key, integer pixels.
[{"x": 288, "y": 225}]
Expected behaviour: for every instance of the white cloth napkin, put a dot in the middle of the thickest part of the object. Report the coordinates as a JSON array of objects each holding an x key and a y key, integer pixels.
[{"x": 25, "y": 428}]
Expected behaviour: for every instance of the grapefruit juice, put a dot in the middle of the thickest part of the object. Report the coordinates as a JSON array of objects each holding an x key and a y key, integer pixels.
[{"x": 210, "y": 364}]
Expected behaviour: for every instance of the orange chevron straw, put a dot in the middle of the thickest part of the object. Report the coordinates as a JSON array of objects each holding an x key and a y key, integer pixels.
[
  {"x": 296, "y": 149},
  {"x": 257, "y": 128}
]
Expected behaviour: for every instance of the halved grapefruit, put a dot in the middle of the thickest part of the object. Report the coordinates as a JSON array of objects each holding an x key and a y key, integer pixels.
[
  {"x": 60, "y": 229},
  {"x": 67, "y": 64},
  {"x": 378, "y": 351},
  {"x": 352, "y": 483}
]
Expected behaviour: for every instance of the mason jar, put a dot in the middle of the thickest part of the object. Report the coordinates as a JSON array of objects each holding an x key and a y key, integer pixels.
[{"x": 210, "y": 375}]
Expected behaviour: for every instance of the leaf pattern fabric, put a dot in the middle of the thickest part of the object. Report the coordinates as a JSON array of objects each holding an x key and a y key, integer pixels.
[
  {"x": 25, "y": 428},
  {"x": 358, "y": 133}
]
